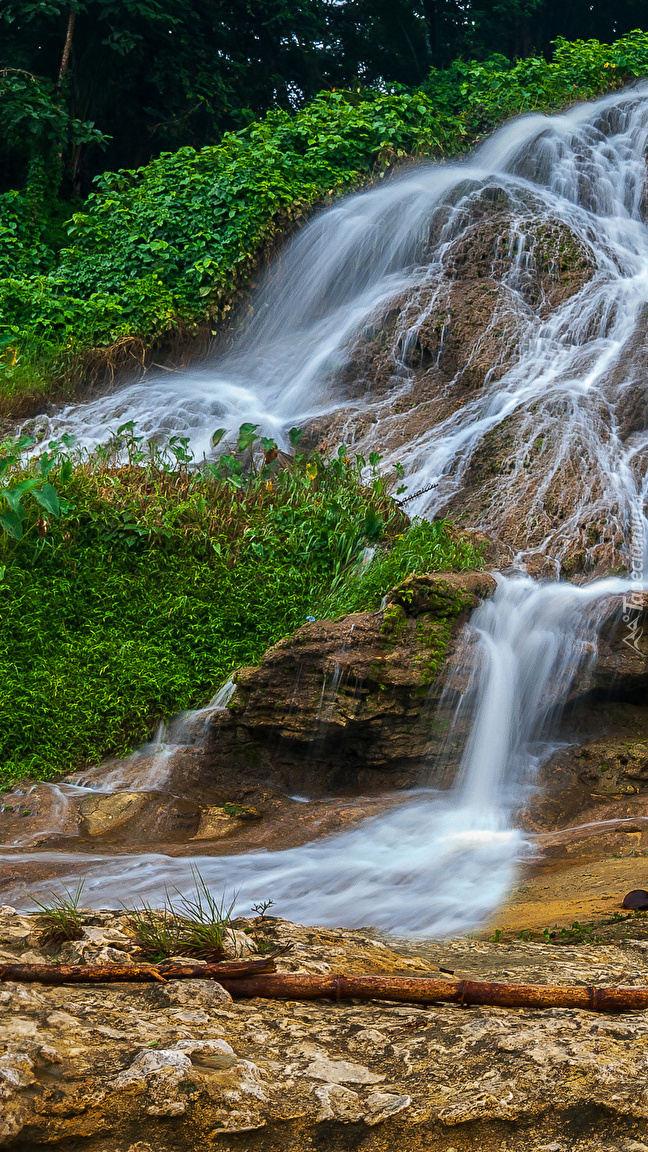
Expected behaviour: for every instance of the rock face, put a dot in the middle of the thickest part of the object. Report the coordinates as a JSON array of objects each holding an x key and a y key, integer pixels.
[
  {"x": 175, "y": 1067},
  {"x": 349, "y": 705},
  {"x": 502, "y": 269},
  {"x": 594, "y": 788}
]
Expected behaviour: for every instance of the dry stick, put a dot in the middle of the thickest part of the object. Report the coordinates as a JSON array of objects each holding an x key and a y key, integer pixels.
[
  {"x": 132, "y": 973},
  {"x": 246, "y": 979},
  {"x": 417, "y": 989}
]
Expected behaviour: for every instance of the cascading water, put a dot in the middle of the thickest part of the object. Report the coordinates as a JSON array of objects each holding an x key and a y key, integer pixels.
[
  {"x": 574, "y": 368},
  {"x": 573, "y": 381},
  {"x": 439, "y": 864}
]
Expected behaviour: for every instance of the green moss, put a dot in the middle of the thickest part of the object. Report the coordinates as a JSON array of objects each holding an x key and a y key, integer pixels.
[
  {"x": 433, "y": 636},
  {"x": 394, "y": 624}
]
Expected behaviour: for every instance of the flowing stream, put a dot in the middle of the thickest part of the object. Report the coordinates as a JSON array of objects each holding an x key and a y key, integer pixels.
[{"x": 440, "y": 863}]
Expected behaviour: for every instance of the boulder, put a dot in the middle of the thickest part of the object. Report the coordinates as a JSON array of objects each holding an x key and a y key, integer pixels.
[{"x": 349, "y": 705}]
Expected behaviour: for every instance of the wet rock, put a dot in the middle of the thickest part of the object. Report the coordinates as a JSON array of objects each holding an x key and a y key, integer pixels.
[
  {"x": 616, "y": 768},
  {"x": 154, "y": 816},
  {"x": 349, "y": 704},
  {"x": 33, "y": 811},
  {"x": 216, "y": 824},
  {"x": 434, "y": 350},
  {"x": 103, "y": 814}
]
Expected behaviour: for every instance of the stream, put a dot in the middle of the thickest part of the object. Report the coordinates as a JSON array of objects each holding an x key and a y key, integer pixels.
[{"x": 440, "y": 863}]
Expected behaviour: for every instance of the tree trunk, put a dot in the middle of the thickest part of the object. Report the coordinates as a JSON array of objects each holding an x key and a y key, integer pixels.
[
  {"x": 431, "y": 16},
  {"x": 67, "y": 48},
  {"x": 246, "y": 979},
  {"x": 420, "y": 990}
]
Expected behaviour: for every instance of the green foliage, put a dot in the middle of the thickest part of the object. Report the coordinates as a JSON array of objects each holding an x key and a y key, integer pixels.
[
  {"x": 424, "y": 547},
  {"x": 614, "y": 929},
  {"x": 157, "y": 580},
  {"x": 37, "y": 128},
  {"x": 60, "y": 917},
  {"x": 163, "y": 249},
  {"x": 483, "y": 94},
  {"x": 34, "y": 487}
]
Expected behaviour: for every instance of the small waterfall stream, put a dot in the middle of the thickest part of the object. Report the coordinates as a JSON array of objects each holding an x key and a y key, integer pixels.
[{"x": 440, "y": 863}]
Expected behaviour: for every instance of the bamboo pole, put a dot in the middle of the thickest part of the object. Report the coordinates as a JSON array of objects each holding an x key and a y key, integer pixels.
[
  {"x": 421, "y": 990},
  {"x": 133, "y": 973}
]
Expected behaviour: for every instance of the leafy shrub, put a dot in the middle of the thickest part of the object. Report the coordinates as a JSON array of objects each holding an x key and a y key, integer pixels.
[
  {"x": 158, "y": 580},
  {"x": 484, "y": 94}
]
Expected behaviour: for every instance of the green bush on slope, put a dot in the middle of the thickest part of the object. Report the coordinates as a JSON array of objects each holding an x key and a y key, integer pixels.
[
  {"x": 155, "y": 582},
  {"x": 162, "y": 250}
]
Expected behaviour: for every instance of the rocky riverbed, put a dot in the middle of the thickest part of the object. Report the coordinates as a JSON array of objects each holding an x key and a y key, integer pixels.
[{"x": 164, "y": 1068}]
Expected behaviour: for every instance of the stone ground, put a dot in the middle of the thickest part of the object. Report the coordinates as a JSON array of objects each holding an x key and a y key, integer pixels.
[
  {"x": 584, "y": 892},
  {"x": 167, "y": 1068}
]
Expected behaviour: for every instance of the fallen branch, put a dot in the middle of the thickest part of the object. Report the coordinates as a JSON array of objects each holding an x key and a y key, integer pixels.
[
  {"x": 133, "y": 973},
  {"x": 421, "y": 990},
  {"x": 246, "y": 979}
]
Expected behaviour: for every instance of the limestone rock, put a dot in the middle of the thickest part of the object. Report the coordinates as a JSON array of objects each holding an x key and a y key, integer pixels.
[
  {"x": 130, "y": 1068},
  {"x": 191, "y": 994}
]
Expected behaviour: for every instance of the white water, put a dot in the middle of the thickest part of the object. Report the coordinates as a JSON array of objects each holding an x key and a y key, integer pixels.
[
  {"x": 441, "y": 864},
  {"x": 577, "y": 367}
]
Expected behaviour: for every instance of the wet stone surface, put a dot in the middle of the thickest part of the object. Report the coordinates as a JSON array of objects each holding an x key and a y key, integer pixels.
[{"x": 160, "y": 1068}]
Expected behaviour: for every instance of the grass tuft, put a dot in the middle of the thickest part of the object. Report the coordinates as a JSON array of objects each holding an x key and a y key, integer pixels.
[
  {"x": 157, "y": 932},
  {"x": 205, "y": 921},
  {"x": 61, "y": 918},
  {"x": 196, "y": 925}
]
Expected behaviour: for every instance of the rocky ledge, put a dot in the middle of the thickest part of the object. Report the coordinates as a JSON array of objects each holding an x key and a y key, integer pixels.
[
  {"x": 343, "y": 709},
  {"x": 179, "y": 1066}
]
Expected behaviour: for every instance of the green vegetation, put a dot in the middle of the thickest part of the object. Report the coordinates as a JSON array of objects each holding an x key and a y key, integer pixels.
[
  {"x": 612, "y": 929},
  {"x": 197, "y": 926},
  {"x": 157, "y": 932},
  {"x": 155, "y": 254},
  {"x": 60, "y": 917},
  {"x": 130, "y": 591}
]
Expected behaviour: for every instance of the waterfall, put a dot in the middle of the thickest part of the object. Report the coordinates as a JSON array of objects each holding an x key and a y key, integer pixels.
[
  {"x": 576, "y": 368},
  {"x": 440, "y": 863}
]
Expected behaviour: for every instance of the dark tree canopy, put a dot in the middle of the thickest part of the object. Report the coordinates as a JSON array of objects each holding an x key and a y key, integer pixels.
[{"x": 139, "y": 77}]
